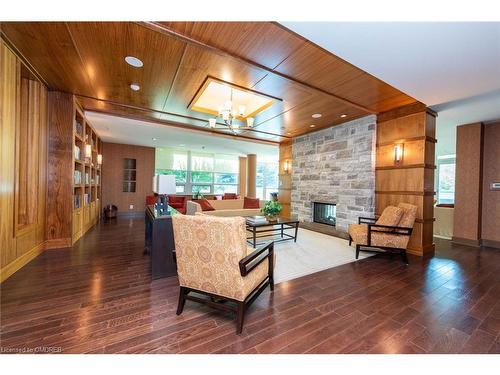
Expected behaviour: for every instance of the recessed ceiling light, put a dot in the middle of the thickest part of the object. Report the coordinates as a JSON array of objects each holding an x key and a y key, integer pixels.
[
  {"x": 288, "y": 133},
  {"x": 316, "y": 115},
  {"x": 312, "y": 126},
  {"x": 135, "y": 87},
  {"x": 343, "y": 115},
  {"x": 134, "y": 61},
  {"x": 153, "y": 139}
]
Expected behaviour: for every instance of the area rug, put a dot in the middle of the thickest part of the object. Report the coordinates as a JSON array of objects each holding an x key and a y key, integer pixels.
[{"x": 313, "y": 252}]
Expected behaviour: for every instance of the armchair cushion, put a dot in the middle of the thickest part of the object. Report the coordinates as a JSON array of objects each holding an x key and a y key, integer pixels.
[
  {"x": 390, "y": 216},
  {"x": 359, "y": 234},
  {"x": 409, "y": 215},
  {"x": 208, "y": 251}
]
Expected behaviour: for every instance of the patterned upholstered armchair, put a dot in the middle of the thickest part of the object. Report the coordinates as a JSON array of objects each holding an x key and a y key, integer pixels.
[
  {"x": 390, "y": 233},
  {"x": 215, "y": 266}
]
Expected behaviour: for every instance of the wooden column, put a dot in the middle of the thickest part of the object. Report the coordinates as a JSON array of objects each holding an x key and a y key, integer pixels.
[
  {"x": 285, "y": 178},
  {"x": 412, "y": 179},
  {"x": 468, "y": 187},
  {"x": 251, "y": 175},
  {"x": 242, "y": 182},
  {"x": 60, "y": 169}
]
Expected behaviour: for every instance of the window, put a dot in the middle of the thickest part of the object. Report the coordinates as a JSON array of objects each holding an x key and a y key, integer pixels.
[
  {"x": 267, "y": 179},
  {"x": 446, "y": 179},
  {"x": 199, "y": 172}
]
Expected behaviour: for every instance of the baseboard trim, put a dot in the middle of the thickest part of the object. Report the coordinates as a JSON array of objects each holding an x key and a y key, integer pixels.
[
  {"x": 466, "y": 241},
  {"x": 491, "y": 243},
  {"x": 58, "y": 243},
  {"x": 130, "y": 214},
  {"x": 24, "y": 259},
  {"x": 425, "y": 251},
  {"x": 20, "y": 262}
]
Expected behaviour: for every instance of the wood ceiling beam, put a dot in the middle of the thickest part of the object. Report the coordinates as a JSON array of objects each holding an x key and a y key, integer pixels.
[
  {"x": 167, "y": 31},
  {"x": 180, "y": 124}
]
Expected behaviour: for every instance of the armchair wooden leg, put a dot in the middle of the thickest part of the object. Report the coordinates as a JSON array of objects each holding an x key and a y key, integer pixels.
[
  {"x": 404, "y": 257},
  {"x": 240, "y": 318},
  {"x": 350, "y": 240},
  {"x": 182, "y": 300}
]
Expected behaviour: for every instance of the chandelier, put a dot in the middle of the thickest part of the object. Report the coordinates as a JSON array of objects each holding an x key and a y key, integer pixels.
[{"x": 228, "y": 113}]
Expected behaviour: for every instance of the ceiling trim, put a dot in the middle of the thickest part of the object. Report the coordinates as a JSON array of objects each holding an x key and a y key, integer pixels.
[
  {"x": 167, "y": 31},
  {"x": 181, "y": 125}
]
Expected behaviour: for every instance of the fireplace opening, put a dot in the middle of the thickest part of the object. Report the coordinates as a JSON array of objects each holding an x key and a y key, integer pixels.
[{"x": 324, "y": 213}]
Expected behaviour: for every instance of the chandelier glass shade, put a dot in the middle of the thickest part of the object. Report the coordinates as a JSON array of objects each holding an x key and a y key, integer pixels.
[{"x": 229, "y": 115}]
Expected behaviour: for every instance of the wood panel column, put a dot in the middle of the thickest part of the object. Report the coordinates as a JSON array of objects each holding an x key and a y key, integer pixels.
[
  {"x": 468, "y": 189},
  {"x": 60, "y": 170},
  {"x": 285, "y": 178},
  {"x": 412, "y": 179},
  {"x": 251, "y": 175},
  {"x": 242, "y": 179}
]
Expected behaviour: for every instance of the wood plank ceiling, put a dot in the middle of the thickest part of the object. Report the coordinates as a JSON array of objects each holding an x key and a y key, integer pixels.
[{"x": 87, "y": 59}]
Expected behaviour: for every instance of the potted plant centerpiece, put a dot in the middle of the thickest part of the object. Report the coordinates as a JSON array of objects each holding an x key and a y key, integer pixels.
[{"x": 271, "y": 209}]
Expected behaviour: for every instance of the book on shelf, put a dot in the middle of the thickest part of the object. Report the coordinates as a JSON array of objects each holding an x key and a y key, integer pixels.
[
  {"x": 76, "y": 201},
  {"x": 77, "y": 177},
  {"x": 86, "y": 198},
  {"x": 78, "y": 127},
  {"x": 97, "y": 179},
  {"x": 76, "y": 152},
  {"x": 87, "y": 178}
]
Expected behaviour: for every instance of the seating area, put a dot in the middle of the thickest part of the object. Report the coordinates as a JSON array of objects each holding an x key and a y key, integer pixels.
[{"x": 249, "y": 187}]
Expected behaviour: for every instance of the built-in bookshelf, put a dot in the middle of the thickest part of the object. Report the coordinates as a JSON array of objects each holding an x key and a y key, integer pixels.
[{"x": 86, "y": 174}]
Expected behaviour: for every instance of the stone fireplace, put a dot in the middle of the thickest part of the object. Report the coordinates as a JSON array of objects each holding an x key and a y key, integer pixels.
[{"x": 335, "y": 165}]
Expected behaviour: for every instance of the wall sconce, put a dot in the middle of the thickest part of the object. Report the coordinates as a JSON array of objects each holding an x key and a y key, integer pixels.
[
  {"x": 99, "y": 159},
  {"x": 286, "y": 166},
  {"x": 398, "y": 153},
  {"x": 88, "y": 151}
]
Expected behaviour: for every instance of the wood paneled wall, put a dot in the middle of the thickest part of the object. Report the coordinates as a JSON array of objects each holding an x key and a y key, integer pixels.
[
  {"x": 23, "y": 149},
  {"x": 468, "y": 187},
  {"x": 477, "y": 207},
  {"x": 490, "y": 223},
  {"x": 112, "y": 176},
  {"x": 285, "y": 178},
  {"x": 411, "y": 180}
]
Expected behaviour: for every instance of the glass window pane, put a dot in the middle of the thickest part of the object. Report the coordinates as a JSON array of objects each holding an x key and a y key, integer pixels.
[
  {"x": 180, "y": 189},
  {"x": 260, "y": 193},
  {"x": 168, "y": 158},
  {"x": 260, "y": 179},
  {"x": 204, "y": 189},
  {"x": 203, "y": 177},
  {"x": 180, "y": 176},
  {"x": 226, "y": 163},
  {"x": 202, "y": 162},
  {"x": 446, "y": 187},
  {"x": 221, "y": 189},
  {"x": 226, "y": 178}
]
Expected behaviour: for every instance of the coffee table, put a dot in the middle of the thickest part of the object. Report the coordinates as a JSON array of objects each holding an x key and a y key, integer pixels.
[{"x": 277, "y": 226}]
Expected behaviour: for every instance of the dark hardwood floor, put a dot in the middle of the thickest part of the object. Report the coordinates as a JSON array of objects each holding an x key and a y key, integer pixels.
[{"x": 98, "y": 298}]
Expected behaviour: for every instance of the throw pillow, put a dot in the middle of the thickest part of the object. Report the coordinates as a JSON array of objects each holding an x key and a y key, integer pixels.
[
  {"x": 251, "y": 203},
  {"x": 205, "y": 205},
  {"x": 408, "y": 218}
]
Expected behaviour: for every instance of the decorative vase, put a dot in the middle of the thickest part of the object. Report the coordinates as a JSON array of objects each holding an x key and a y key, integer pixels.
[{"x": 271, "y": 217}]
